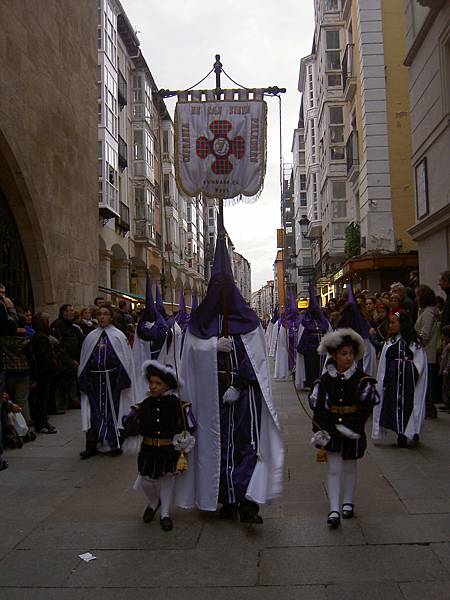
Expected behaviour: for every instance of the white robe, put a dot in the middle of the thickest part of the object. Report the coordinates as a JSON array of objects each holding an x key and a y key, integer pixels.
[
  {"x": 418, "y": 413},
  {"x": 141, "y": 353},
  {"x": 199, "y": 485},
  {"x": 282, "y": 371},
  {"x": 274, "y": 339},
  {"x": 268, "y": 334},
  {"x": 370, "y": 359},
  {"x": 121, "y": 347}
]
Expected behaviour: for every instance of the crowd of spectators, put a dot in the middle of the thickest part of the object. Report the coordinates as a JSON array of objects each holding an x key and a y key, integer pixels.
[
  {"x": 429, "y": 314},
  {"x": 39, "y": 360}
]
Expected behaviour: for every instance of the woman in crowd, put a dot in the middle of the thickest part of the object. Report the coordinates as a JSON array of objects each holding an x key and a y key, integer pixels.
[
  {"x": 380, "y": 334},
  {"x": 402, "y": 383},
  {"x": 86, "y": 323},
  {"x": 370, "y": 310},
  {"x": 395, "y": 303},
  {"x": 105, "y": 378},
  {"x": 428, "y": 329}
]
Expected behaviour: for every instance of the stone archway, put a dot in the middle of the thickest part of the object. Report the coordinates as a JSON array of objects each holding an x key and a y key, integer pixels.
[
  {"x": 120, "y": 269},
  {"x": 18, "y": 202}
]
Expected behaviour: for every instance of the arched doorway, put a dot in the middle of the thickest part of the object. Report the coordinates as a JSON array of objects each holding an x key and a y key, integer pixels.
[
  {"x": 14, "y": 272},
  {"x": 120, "y": 275}
]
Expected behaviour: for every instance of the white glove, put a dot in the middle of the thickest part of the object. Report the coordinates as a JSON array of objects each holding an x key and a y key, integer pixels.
[
  {"x": 231, "y": 395},
  {"x": 224, "y": 344},
  {"x": 183, "y": 441},
  {"x": 320, "y": 438},
  {"x": 348, "y": 433}
]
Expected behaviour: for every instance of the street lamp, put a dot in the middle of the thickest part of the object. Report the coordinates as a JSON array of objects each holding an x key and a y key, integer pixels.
[{"x": 304, "y": 224}]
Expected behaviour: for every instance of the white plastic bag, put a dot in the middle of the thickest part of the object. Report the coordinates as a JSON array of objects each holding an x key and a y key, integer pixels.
[{"x": 18, "y": 422}]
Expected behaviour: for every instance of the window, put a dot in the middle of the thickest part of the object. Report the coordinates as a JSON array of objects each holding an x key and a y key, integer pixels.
[
  {"x": 166, "y": 142},
  {"x": 138, "y": 102},
  {"x": 313, "y": 140},
  {"x": 310, "y": 86},
  {"x": 303, "y": 182},
  {"x": 166, "y": 184},
  {"x": 334, "y": 80},
  {"x": 138, "y": 144},
  {"x": 110, "y": 102},
  {"x": 315, "y": 204},
  {"x": 148, "y": 149},
  {"x": 339, "y": 231},
  {"x": 331, "y": 5},
  {"x": 339, "y": 190},
  {"x": 339, "y": 209},
  {"x": 333, "y": 55},
  {"x": 148, "y": 102},
  {"x": 111, "y": 176},
  {"x": 110, "y": 33},
  {"x": 336, "y": 133}
]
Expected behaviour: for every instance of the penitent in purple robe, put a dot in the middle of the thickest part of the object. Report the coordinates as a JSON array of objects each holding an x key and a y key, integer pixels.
[
  {"x": 239, "y": 424},
  {"x": 103, "y": 380}
]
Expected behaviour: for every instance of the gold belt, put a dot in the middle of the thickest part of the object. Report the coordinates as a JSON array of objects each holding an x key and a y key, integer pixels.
[
  {"x": 343, "y": 410},
  {"x": 156, "y": 441}
]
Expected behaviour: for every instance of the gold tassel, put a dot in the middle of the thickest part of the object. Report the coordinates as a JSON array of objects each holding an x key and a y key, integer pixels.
[
  {"x": 182, "y": 463},
  {"x": 321, "y": 456}
]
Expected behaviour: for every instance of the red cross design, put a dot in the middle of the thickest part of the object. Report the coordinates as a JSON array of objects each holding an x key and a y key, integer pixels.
[{"x": 221, "y": 147}]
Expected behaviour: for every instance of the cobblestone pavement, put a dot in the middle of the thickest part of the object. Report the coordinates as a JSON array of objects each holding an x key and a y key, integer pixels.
[{"x": 55, "y": 507}]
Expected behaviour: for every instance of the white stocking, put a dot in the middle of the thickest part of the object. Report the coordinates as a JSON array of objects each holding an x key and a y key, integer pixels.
[
  {"x": 349, "y": 480},
  {"x": 166, "y": 493},
  {"x": 151, "y": 488},
  {"x": 334, "y": 480}
]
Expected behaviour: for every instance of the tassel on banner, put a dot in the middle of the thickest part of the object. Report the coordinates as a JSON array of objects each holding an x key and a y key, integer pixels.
[
  {"x": 321, "y": 456},
  {"x": 182, "y": 463}
]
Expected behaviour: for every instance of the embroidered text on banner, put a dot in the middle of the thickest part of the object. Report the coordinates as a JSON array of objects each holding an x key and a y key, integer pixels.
[{"x": 220, "y": 147}]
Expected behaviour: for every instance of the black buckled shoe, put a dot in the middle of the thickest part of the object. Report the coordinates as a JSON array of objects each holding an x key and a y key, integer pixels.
[
  {"x": 348, "y": 510},
  {"x": 402, "y": 441},
  {"x": 166, "y": 524},
  {"x": 249, "y": 513},
  {"x": 88, "y": 454},
  {"x": 227, "y": 511},
  {"x": 150, "y": 513},
  {"x": 334, "y": 519}
]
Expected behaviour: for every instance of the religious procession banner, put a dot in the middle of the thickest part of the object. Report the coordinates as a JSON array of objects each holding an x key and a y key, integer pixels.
[{"x": 220, "y": 147}]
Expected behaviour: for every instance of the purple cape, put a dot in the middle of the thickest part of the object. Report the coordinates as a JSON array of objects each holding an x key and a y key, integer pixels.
[
  {"x": 205, "y": 322},
  {"x": 314, "y": 316},
  {"x": 351, "y": 317},
  {"x": 182, "y": 317},
  {"x": 149, "y": 313}
]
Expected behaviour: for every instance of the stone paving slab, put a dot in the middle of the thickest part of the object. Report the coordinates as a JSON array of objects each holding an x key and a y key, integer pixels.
[
  {"x": 356, "y": 591},
  {"x": 299, "y": 566},
  {"x": 406, "y": 529},
  {"x": 34, "y": 568},
  {"x": 290, "y": 532},
  {"x": 132, "y": 534},
  {"x": 307, "y": 592},
  {"x": 171, "y": 568},
  {"x": 435, "y": 590}
]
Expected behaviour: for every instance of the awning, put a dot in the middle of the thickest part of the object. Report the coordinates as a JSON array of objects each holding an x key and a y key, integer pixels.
[{"x": 133, "y": 297}]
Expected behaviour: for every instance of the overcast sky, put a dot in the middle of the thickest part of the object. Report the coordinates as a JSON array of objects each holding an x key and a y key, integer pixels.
[{"x": 260, "y": 43}]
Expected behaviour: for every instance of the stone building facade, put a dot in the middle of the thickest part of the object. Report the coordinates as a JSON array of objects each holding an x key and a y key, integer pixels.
[
  {"x": 428, "y": 59},
  {"x": 48, "y": 153}
]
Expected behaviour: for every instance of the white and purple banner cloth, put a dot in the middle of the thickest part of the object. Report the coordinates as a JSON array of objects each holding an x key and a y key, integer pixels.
[{"x": 221, "y": 146}]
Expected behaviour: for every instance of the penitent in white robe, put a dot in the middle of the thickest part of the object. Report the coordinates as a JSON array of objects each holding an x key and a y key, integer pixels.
[{"x": 199, "y": 485}]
